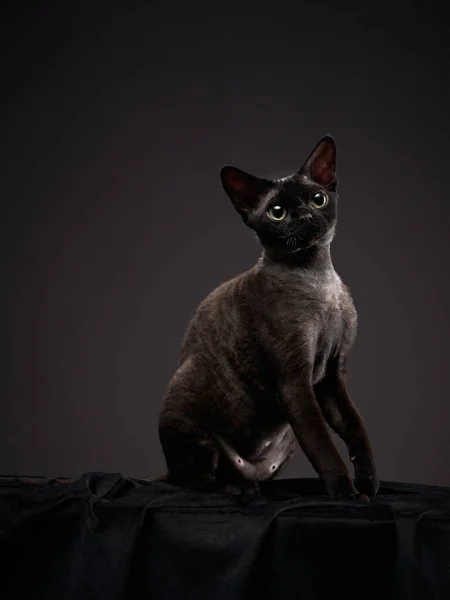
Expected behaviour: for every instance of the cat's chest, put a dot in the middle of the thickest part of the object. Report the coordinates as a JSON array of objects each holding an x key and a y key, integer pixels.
[
  {"x": 332, "y": 302},
  {"x": 336, "y": 322},
  {"x": 318, "y": 305},
  {"x": 326, "y": 298},
  {"x": 327, "y": 310}
]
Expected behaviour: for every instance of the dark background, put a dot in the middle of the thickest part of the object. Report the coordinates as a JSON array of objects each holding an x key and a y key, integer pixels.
[{"x": 115, "y": 122}]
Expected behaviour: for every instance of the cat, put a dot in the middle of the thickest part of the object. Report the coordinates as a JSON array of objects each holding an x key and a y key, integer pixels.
[{"x": 262, "y": 368}]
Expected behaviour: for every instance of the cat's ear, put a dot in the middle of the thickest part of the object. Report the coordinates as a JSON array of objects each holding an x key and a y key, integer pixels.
[
  {"x": 321, "y": 163},
  {"x": 243, "y": 189}
]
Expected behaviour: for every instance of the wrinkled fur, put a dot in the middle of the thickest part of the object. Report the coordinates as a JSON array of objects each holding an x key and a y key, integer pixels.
[{"x": 263, "y": 361}]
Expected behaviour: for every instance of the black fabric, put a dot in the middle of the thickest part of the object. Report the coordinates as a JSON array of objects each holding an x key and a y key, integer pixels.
[{"x": 105, "y": 536}]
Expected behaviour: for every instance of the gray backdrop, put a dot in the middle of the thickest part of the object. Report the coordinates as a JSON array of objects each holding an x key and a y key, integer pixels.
[{"x": 115, "y": 123}]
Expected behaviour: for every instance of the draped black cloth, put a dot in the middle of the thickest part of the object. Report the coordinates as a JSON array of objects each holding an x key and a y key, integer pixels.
[{"x": 109, "y": 537}]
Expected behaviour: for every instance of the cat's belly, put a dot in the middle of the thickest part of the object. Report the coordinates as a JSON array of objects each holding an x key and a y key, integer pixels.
[
  {"x": 270, "y": 444},
  {"x": 269, "y": 454}
]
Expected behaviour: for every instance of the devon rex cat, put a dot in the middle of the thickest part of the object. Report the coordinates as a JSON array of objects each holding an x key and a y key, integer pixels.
[{"x": 263, "y": 360}]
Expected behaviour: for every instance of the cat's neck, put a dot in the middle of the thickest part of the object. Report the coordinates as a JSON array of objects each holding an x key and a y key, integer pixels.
[{"x": 316, "y": 259}]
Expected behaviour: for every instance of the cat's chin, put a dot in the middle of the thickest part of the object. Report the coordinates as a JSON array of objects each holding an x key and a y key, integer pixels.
[{"x": 283, "y": 251}]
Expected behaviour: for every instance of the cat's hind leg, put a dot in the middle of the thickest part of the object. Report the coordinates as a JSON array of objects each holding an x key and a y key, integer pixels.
[
  {"x": 191, "y": 455},
  {"x": 194, "y": 459},
  {"x": 192, "y": 462}
]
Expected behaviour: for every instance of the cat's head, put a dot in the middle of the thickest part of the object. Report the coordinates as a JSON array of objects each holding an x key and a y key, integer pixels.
[{"x": 292, "y": 213}]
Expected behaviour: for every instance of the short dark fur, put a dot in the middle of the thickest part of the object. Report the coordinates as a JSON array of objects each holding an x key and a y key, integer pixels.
[{"x": 263, "y": 360}]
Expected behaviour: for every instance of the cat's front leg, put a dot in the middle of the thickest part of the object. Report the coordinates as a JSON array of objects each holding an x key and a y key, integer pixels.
[
  {"x": 310, "y": 429},
  {"x": 343, "y": 417}
]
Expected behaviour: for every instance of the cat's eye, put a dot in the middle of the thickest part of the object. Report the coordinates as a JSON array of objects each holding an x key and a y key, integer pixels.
[
  {"x": 319, "y": 200},
  {"x": 277, "y": 213}
]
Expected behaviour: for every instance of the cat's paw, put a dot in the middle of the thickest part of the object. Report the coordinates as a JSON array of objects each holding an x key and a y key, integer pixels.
[
  {"x": 252, "y": 490},
  {"x": 339, "y": 486},
  {"x": 367, "y": 484},
  {"x": 366, "y": 480},
  {"x": 245, "y": 489},
  {"x": 364, "y": 498}
]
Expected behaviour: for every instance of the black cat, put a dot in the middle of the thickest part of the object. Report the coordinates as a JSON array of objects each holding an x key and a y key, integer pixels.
[{"x": 263, "y": 360}]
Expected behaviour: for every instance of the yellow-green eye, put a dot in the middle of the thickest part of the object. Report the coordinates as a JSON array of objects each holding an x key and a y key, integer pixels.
[
  {"x": 319, "y": 200},
  {"x": 277, "y": 213}
]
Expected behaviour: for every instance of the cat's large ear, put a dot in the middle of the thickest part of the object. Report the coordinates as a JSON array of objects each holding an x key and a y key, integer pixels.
[
  {"x": 321, "y": 163},
  {"x": 243, "y": 189}
]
